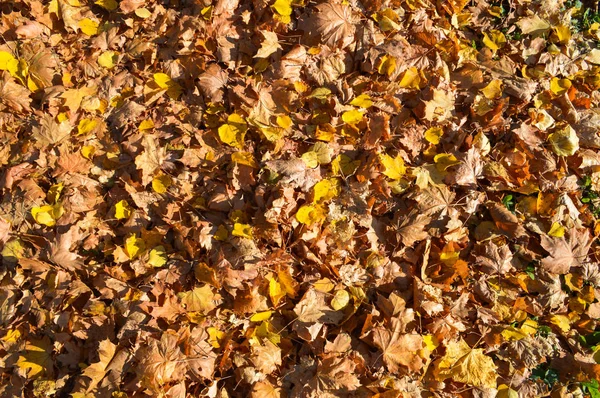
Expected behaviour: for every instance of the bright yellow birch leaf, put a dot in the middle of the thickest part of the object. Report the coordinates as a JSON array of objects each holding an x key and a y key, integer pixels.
[{"x": 122, "y": 210}]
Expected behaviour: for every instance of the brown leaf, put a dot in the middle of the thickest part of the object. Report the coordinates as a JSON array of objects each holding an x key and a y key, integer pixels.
[
  {"x": 212, "y": 82},
  {"x": 399, "y": 349},
  {"x": 151, "y": 159},
  {"x": 411, "y": 228},
  {"x": 336, "y": 24},
  {"x": 566, "y": 252},
  {"x": 98, "y": 370},
  {"x": 13, "y": 94}
]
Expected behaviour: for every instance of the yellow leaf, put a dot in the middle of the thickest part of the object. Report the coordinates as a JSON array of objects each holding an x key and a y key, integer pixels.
[
  {"x": 134, "y": 246},
  {"x": 47, "y": 215},
  {"x": 560, "y": 86},
  {"x": 362, "y": 101},
  {"x": 109, "y": 5},
  {"x": 73, "y": 97},
  {"x": 284, "y": 9},
  {"x": 353, "y": 116},
  {"x": 324, "y": 285},
  {"x": 158, "y": 257},
  {"x": 557, "y": 230},
  {"x": 387, "y": 19},
  {"x": 54, "y": 193},
  {"x": 466, "y": 365},
  {"x": 233, "y": 132},
  {"x": 309, "y": 214},
  {"x": 122, "y": 210},
  {"x": 431, "y": 342},
  {"x": 411, "y": 78},
  {"x": 325, "y": 133},
  {"x": 12, "y": 336},
  {"x": 505, "y": 391},
  {"x": 529, "y": 327},
  {"x": 394, "y": 167},
  {"x": 494, "y": 40},
  {"x": 272, "y": 134},
  {"x": 86, "y": 126},
  {"x": 513, "y": 334},
  {"x": 433, "y": 135},
  {"x": 201, "y": 299},
  {"x": 340, "y": 300},
  {"x": 87, "y": 151},
  {"x": 161, "y": 183},
  {"x": 445, "y": 160},
  {"x": 206, "y": 12},
  {"x": 242, "y": 230},
  {"x": 108, "y": 59},
  {"x": 163, "y": 81},
  {"x": 215, "y": 336},
  {"x": 31, "y": 85},
  {"x": 321, "y": 93},
  {"x": 143, "y": 13},
  {"x": 88, "y": 26},
  {"x": 7, "y": 61},
  {"x": 563, "y": 33},
  {"x": 326, "y": 189},
  {"x": 245, "y": 158},
  {"x": 564, "y": 141},
  {"x": 562, "y": 321},
  {"x": 285, "y": 122},
  {"x": 387, "y": 65},
  {"x": 261, "y": 316},
  {"x": 288, "y": 283},
  {"x": 311, "y": 159},
  {"x": 37, "y": 358},
  {"x": 493, "y": 90},
  {"x": 12, "y": 251},
  {"x": 276, "y": 291},
  {"x": 344, "y": 165},
  {"x": 145, "y": 125}
]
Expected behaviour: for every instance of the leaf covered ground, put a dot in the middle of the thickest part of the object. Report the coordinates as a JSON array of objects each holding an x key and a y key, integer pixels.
[{"x": 293, "y": 198}]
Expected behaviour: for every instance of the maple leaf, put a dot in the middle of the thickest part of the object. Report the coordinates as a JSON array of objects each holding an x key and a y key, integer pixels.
[
  {"x": 60, "y": 250},
  {"x": 50, "y": 132},
  {"x": 161, "y": 362},
  {"x": 98, "y": 370},
  {"x": 37, "y": 358},
  {"x": 467, "y": 365},
  {"x": 200, "y": 299},
  {"x": 336, "y": 374},
  {"x": 212, "y": 82},
  {"x": 411, "y": 228},
  {"x": 566, "y": 252},
  {"x": 266, "y": 357},
  {"x": 74, "y": 97},
  {"x": 264, "y": 389},
  {"x": 269, "y": 45},
  {"x": 151, "y": 159},
  {"x": 399, "y": 349},
  {"x": 496, "y": 259},
  {"x": 440, "y": 107},
  {"x": 336, "y": 24}
]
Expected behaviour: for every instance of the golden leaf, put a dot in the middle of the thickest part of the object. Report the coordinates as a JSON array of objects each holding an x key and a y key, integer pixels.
[
  {"x": 122, "y": 210},
  {"x": 157, "y": 257},
  {"x": 467, "y": 365},
  {"x": 233, "y": 132},
  {"x": 394, "y": 167},
  {"x": 37, "y": 358}
]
